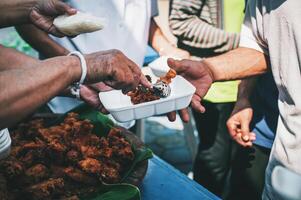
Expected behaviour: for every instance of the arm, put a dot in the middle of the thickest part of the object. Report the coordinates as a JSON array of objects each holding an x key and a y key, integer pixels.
[
  {"x": 193, "y": 31},
  {"x": 41, "y": 41},
  {"x": 39, "y": 12},
  {"x": 12, "y": 59},
  {"x": 239, "y": 122},
  {"x": 15, "y": 12},
  {"x": 161, "y": 44},
  {"x": 236, "y": 64},
  {"x": 26, "y": 88}
]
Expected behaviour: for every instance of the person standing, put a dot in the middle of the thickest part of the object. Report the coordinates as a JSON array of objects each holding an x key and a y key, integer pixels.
[
  {"x": 270, "y": 39},
  {"x": 256, "y": 110},
  {"x": 208, "y": 28}
]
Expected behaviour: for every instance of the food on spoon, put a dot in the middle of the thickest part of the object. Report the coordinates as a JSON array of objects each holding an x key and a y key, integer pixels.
[
  {"x": 62, "y": 162},
  {"x": 72, "y": 25},
  {"x": 161, "y": 89}
]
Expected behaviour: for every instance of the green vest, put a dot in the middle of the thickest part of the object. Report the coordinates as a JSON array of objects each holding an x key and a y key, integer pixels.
[{"x": 223, "y": 92}]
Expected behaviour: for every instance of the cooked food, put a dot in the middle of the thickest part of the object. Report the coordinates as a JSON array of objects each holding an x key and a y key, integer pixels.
[
  {"x": 161, "y": 89},
  {"x": 63, "y": 161},
  {"x": 73, "y": 25}
]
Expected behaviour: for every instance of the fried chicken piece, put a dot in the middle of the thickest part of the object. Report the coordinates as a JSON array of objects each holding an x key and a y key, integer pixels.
[
  {"x": 110, "y": 172},
  {"x": 90, "y": 152},
  {"x": 73, "y": 156},
  {"x": 85, "y": 140},
  {"x": 37, "y": 173},
  {"x": 121, "y": 148},
  {"x": 34, "y": 145},
  {"x": 105, "y": 150},
  {"x": 168, "y": 76},
  {"x": 90, "y": 165},
  {"x": 79, "y": 176},
  {"x": 11, "y": 168},
  {"x": 46, "y": 190},
  {"x": 34, "y": 156},
  {"x": 57, "y": 146}
]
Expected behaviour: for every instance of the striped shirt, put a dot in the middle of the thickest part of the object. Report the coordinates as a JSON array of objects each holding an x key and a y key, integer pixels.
[{"x": 199, "y": 24}]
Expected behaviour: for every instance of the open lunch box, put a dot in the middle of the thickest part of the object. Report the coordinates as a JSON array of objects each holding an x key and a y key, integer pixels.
[{"x": 122, "y": 109}]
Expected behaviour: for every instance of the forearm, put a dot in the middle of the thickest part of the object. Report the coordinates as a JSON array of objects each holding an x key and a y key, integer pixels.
[
  {"x": 41, "y": 41},
  {"x": 12, "y": 59},
  {"x": 237, "y": 64},
  {"x": 156, "y": 38},
  {"x": 246, "y": 88},
  {"x": 24, "y": 90},
  {"x": 15, "y": 12}
]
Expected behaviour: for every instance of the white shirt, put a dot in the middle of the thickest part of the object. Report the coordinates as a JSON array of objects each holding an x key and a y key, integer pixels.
[
  {"x": 126, "y": 29},
  {"x": 273, "y": 27}
]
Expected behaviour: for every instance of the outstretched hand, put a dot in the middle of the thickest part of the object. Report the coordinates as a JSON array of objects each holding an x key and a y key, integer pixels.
[
  {"x": 44, "y": 12},
  {"x": 198, "y": 74},
  {"x": 239, "y": 124}
]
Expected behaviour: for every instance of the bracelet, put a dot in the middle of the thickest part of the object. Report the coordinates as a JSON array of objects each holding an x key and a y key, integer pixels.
[{"x": 75, "y": 88}]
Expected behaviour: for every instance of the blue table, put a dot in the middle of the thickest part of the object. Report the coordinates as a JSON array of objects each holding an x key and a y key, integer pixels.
[{"x": 164, "y": 182}]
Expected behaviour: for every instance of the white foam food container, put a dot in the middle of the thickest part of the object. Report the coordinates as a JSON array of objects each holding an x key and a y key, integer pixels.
[
  {"x": 123, "y": 110},
  {"x": 159, "y": 66}
]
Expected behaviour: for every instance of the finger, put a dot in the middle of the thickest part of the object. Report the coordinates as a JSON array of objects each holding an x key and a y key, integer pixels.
[
  {"x": 101, "y": 87},
  {"x": 196, "y": 104},
  {"x": 63, "y": 8},
  {"x": 176, "y": 65},
  {"x": 245, "y": 131},
  {"x": 184, "y": 114},
  {"x": 102, "y": 109},
  {"x": 232, "y": 128},
  {"x": 252, "y": 136},
  {"x": 239, "y": 140},
  {"x": 172, "y": 116},
  {"x": 144, "y": 81}
]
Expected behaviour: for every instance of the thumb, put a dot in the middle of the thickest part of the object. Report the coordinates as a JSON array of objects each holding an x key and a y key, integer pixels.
[
  {"x": 245, "y": 131},
  {"x": 63, "y": 8},
  {"x": 176, "y": 65}
]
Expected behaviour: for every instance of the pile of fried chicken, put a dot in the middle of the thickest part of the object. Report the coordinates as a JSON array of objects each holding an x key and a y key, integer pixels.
[
  {"x": 142, "y": 94},
  {"x": 62, "y": 162}
]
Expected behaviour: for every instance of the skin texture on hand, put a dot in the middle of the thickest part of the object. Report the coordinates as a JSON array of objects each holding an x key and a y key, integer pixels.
[
  {"x": 89, "y": 94},
  {"x": 44, "y": 12},
  {"x": 115, "y": 70},
  {"x": 239, "y": 124}
]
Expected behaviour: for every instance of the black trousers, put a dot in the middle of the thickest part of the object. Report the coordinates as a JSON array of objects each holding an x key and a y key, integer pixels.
[
  {"x": 216, "y": 148},
  {"x": 248, "y": 173}
]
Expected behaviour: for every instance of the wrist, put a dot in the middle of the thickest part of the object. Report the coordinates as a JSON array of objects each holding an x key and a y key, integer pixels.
[
  {"x": 73, "y": 65},
  {"x": 208, "y": 68}
]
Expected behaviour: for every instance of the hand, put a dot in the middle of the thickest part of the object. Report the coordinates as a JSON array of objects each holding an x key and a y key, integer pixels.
[
  {"x": 239, "y": 122},
  {"x": 43, "y": 14},
  {"x": 90, "y": 95},
  {"x": 174, "y": 52},
  {"x": 198, "y": 74},
  {"x": 115, "y": 70}
]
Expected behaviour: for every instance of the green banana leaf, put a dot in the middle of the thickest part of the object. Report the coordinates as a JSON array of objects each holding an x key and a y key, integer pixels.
[{"x": 102, "y": 125}]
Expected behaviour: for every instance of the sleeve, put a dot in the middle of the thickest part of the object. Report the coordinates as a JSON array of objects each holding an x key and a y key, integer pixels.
[
  {"x": 251, "y": 30},
  {"x": 193, "y": 31},
  {"x": 154, "y": 8}
]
